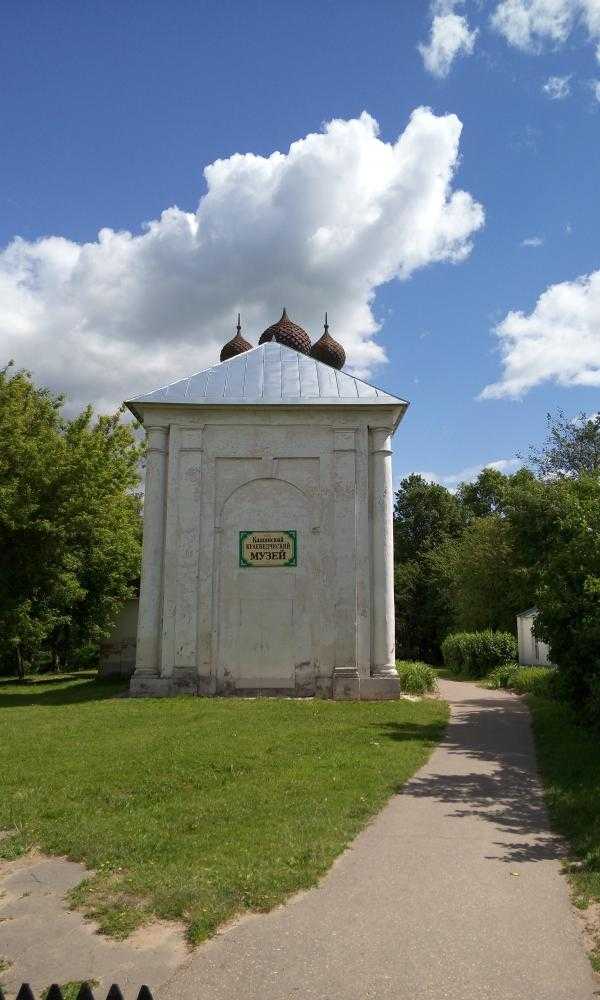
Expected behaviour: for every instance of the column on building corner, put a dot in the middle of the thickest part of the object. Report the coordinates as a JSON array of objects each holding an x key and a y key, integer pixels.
[
  {"x": 146, "y": 679},
  {"x": 383, "y": 662},
  {"x": 345, "y": 673}
]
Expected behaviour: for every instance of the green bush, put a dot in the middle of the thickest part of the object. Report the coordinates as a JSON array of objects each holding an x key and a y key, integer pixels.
[
  {"x": 535, "y": 680},
  {"x": 454, "y": 649},
  {"x": 542, "y": 681},
  {"x": 416, "y": 677},
  {"x": 502, "y": 676},
  {"x": 476, "y": 653},
  {"x": 592, "y": 710}
]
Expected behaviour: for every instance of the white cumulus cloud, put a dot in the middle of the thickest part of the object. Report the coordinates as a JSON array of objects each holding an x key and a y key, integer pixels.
[
  {"x": 558, "y": 341},
  {"x": 527, "y": 23},
  {"x": 532, "y": 241},
  {"x": 318, "y": 227},
  {"x": 450, "y": 36},
  {"x": 557, "y": 87},
  {"x": 530, "y": 24}
]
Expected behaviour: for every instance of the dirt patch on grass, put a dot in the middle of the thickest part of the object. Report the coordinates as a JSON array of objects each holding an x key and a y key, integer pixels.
[
  {"x": 589, "y": 920},
  {"x": 105, "y": 899},
  {"x": 44, "y": 940}
]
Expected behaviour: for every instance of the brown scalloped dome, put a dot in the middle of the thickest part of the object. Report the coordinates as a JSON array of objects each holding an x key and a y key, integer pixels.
[
  {"x": 237, "y": 345},
  {"x": 287, "y": 333},
  {"x": 327, "y": 350}
]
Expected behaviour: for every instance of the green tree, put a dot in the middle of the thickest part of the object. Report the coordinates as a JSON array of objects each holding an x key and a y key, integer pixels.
[
  {"x": 572, "y": 447},
  {"x": 69, "y": 521},
  {"x": 425, "y": 515},
  {"x": 33, "y": 567},
  {"x": 457, "y": 565},
  {"x": 557, "y": 530},
  {"x": 489, "y": 585},
  {"x": 99, "y": 513},
  {"x": 485, "y": 495}
]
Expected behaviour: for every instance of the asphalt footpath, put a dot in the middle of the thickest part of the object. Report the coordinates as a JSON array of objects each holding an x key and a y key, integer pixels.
[{"x": 453, "y": 892}]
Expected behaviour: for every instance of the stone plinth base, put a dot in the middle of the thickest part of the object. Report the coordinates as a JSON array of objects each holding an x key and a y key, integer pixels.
[
  {"x": 379, "y": 688},
  {"x": 148, "y": 686},
  {"x": 182, "y": 681},
  {"x": 347, "y": 685}
]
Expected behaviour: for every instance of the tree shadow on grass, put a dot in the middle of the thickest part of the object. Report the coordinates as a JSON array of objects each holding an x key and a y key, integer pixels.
[
  {"x": 494, "y": 777},
  {"x": 57, "y": 690}
]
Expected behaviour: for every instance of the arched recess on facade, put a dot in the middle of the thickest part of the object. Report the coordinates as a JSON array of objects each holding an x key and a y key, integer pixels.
[
  {"x": 264, "y": 616},
  {"x": 230, "y": 498}
]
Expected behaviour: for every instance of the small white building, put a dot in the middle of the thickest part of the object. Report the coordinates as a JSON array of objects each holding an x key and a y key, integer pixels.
[
  {"x": 268, "y": 560},
  {"x": 532, "y": 651},
  {"x": 117, "y": 653}
]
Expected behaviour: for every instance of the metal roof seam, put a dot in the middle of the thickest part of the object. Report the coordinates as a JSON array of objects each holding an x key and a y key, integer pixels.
[
  {"x": 226, "y": 381},
  {"x": 271, "y": 373},
  {"x": 261, "y": 384},
  {"x": 280, "y": 374}
]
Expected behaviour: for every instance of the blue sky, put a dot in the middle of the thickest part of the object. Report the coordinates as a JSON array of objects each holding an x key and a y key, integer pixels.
[{"x": 110, "y": 112}]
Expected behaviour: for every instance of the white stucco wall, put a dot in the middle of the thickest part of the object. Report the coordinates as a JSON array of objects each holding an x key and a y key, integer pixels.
[
  {"x": 532, "y": 651},
  {"x": 325, "y": 626}
]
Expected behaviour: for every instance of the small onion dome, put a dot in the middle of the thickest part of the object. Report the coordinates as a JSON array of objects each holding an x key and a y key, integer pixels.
[
  {"x": 237, "y": 345},
  {"x": 287, "y": 333},
  {"x": 327, "y": 350}
]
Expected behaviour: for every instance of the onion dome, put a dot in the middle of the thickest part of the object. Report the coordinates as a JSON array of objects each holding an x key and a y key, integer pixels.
[
  {"x": 287, "y": 333},
  {"x": 327, "y": 350},
  {"x": 237, "y": 345}
]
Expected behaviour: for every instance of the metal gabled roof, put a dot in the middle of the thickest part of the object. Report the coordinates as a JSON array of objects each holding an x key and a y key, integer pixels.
[{"x": 268, "y": 374}]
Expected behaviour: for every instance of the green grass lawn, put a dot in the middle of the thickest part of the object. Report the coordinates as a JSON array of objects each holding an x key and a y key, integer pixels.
[
  {"x": 569, "y": 760},
  {"x": 191, "y": 808}
]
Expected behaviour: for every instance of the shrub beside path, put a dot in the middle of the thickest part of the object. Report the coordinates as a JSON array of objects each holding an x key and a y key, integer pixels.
[{"x": 454, "y": 891}]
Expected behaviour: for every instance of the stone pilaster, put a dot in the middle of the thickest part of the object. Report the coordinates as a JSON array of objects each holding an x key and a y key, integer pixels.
[
  {"x": 383, "y": 661},
  {"x": 146, "y": 679},
  {"x": 345, "y": 674}
]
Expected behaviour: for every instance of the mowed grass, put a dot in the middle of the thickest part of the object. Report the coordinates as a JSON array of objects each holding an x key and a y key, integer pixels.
[
  {"x": 196, "y": 809},
  {"x": 569, "y": 761}
]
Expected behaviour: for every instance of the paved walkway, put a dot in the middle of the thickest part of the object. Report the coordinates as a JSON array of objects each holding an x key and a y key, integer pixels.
[
  {"x": 454, "y": 892},
  {"x": 46, "y": 943}
]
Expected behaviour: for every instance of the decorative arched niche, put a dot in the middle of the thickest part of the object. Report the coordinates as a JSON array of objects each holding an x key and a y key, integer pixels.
[{"x": 264, "y": 611}]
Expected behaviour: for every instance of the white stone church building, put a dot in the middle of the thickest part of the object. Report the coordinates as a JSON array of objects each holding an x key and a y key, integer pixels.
[{"x": 268, "y": 544}]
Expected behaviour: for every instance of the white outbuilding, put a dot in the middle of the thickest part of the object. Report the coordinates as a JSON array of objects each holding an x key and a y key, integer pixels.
[
  {"x": 532, "y": 651},
  {"x": 268, "y": 539},
  {"x": 117, "y": 652}
]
